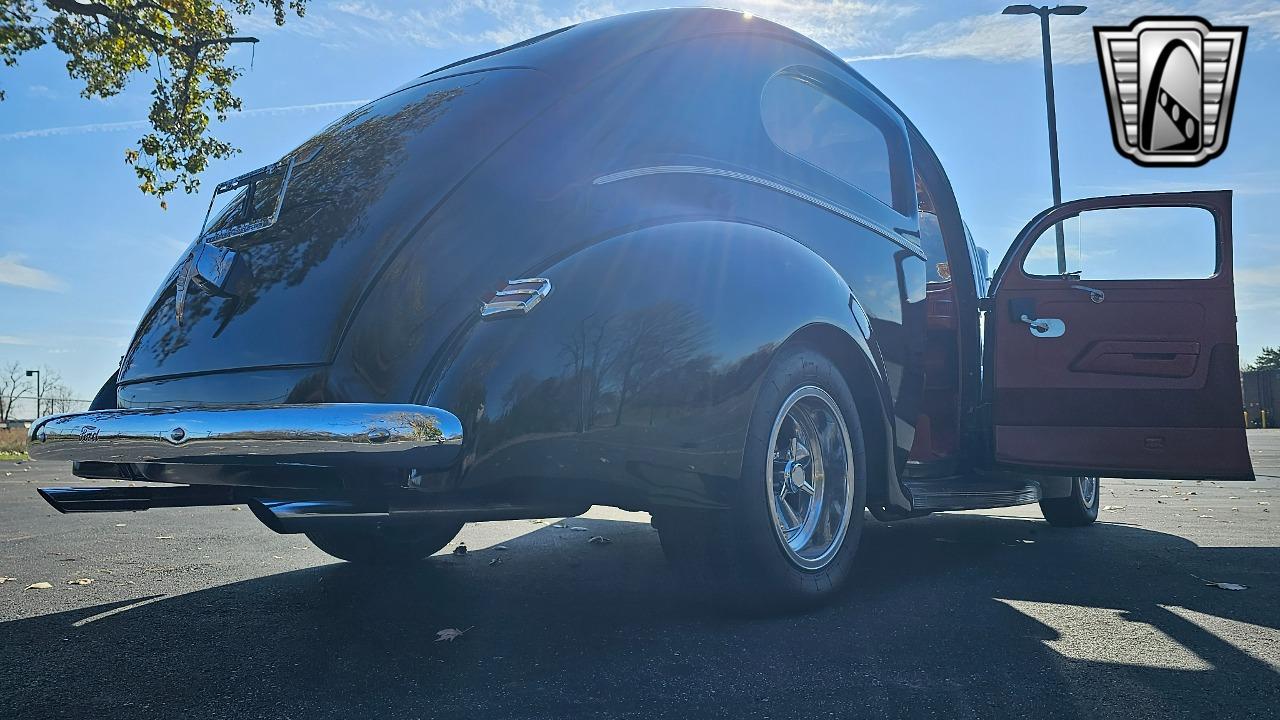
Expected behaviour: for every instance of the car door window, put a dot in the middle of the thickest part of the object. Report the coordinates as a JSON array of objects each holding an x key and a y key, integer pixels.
[
  {"x": 1166, "y": 243},
  {"x": 806, "y": 121}
]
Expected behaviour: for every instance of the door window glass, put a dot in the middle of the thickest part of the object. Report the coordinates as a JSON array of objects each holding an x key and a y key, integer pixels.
[
  {"x": 814, "y": 126},
  {"x": 1142, "y": 243}
]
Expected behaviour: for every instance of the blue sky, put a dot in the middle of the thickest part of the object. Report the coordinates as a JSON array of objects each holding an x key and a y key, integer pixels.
[{"x": 81, "y": 250}]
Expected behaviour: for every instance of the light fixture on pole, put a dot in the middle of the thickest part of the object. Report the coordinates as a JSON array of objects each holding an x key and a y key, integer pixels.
[
  {"x": 37, "y": 374},
  {"x": 1044, "y": 12}
]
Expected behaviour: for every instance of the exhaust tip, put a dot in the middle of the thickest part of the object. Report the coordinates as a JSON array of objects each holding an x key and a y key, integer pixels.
[
  {"x": 48, "y": 495},
  {"x": 264, "y": 514}
]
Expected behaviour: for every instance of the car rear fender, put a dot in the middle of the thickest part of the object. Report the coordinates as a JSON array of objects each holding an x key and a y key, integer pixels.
[{"x": 635, "y": 377}]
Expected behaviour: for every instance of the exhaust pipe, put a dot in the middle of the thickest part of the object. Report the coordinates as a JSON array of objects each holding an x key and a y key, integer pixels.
[
  {"x": 116, "y": 499},
  {"x": 288, "y": 517},
  {"x": 299, "y": 516}
]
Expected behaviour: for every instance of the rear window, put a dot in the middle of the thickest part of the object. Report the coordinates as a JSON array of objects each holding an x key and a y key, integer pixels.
[{"x": 805, "y": 121}]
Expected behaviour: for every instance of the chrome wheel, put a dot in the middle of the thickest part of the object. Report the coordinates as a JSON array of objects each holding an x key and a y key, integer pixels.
[
  {"x": 810, "y": 477},
  {"x": 1088, "y": 490}
]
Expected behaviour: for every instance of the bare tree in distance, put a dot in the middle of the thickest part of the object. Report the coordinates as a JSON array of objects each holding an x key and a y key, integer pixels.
[
  {"x": 14, "y": 385},
  {"x": 16, "y": 388}
]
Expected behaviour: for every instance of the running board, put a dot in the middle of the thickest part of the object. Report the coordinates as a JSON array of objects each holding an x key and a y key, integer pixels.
[{"x": 965, "y": 493}]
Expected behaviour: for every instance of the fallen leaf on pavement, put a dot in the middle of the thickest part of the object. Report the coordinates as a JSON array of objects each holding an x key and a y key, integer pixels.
[
  {"x": 4, "y": 579},
  {"x": 600, "y": 540},
  {"x": 1114, "y": 507},
  {"x": 120, "y": 524},
  {"x": 1228, "y": 586},
  {"x": 80, "y": 581},
  {"x": 39, "y": 586},
  {"x": 579, "y": 528},
  {"x": 451, "y": 633}
]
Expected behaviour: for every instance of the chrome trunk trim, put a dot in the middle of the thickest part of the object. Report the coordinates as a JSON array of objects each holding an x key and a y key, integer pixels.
[{"x": 327, "y": 435}]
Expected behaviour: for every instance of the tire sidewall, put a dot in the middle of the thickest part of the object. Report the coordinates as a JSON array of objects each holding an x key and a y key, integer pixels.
[
  {"x": 1089, "y": 511},
  {"x": 794, "y": 368}
]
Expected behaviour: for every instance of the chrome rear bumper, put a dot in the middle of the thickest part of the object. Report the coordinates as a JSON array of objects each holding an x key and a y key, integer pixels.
[{"x": 329, "y": 435}]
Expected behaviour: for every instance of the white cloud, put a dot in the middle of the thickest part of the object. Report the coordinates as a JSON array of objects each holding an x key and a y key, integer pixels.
[
  {"x": 13, "y": 340},
  {"x": 1001, "y": 38},
  {"x": 485, "y": 24},
  {"x": 14, "y": 272},
  {"x": 140, "y": 124}
]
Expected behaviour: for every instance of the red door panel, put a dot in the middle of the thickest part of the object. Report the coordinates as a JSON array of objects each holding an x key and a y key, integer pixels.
[{"x": 1139, "y": 379}]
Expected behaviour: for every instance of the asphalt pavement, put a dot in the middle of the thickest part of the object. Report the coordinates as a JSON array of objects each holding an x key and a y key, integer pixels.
[{"x": 204, "y": 613}]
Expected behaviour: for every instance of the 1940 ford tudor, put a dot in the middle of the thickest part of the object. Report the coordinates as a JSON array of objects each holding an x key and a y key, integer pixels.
[{"x": 682, "y": 261}]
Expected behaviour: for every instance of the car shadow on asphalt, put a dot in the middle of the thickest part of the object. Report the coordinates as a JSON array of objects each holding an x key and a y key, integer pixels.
[{"x": 955, "y": 615}]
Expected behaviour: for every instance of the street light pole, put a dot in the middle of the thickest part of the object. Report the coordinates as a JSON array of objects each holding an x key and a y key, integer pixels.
[
  {"x": 1046, "y": 51},
  {"x": 37, "y": 374}
]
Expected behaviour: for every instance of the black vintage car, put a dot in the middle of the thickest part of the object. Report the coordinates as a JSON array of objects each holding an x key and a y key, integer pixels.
[{"x": 683, "y": 261}]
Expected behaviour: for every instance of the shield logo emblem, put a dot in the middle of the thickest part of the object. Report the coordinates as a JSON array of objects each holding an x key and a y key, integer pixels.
[{"x": 1170, "y": 85}]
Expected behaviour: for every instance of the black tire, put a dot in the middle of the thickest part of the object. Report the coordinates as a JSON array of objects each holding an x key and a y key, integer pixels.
[
  {"x": 383, "y": 545},
  {"x": 1078, "y": 509},
  {"x": 739, "y": 557}
]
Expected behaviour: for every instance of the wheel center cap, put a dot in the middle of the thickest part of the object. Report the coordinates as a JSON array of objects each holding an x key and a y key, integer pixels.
[{"x": 795, "y": 475}]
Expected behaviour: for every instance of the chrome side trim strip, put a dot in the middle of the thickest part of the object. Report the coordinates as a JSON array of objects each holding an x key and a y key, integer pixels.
[
  {"x": 328, "y": 435},
  {"x": 765, "y": 183}
]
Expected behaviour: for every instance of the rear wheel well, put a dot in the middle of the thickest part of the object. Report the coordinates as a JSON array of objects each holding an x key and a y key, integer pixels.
[{"x": 864, "y": 384}]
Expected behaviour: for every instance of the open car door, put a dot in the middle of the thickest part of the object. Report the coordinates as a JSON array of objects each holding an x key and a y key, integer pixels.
[{"x": 1126, "y": 364}]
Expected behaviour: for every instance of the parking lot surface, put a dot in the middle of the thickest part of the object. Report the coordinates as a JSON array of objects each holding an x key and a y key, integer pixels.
[{"x": 204, "y": 613}]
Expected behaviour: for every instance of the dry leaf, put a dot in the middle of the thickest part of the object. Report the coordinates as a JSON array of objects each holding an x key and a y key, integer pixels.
[
  {"x": 1228, "y": 586},
  {"x": 451, "y": 633},
  {"x": 39, "y": 586},
  {"x": 1114, "y": 507},
  {"x": 4, "y": 579},
  {"x": 460, "y": 550},
  {"x": 80, "y": 581},
  {"x": 600, "y": 540}
]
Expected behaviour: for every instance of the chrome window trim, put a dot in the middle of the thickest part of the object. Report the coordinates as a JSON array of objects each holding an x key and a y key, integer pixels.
[{"x": 771, "y": 185}]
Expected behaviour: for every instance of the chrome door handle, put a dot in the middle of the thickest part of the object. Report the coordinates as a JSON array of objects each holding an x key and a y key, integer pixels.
[
  {"x": 1045, "y": 327},
  {"x": 1096, "y": 295}
]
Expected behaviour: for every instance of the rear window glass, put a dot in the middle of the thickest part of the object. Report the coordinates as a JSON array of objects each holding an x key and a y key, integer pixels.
[{"x": 807, "y": 122}]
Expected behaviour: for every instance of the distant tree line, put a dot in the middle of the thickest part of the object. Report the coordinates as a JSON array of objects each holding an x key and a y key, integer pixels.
[
  {"x": 1268, "y": 359},
  {"x": 16, "y": 386}
]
